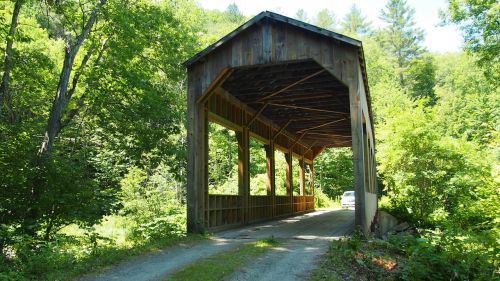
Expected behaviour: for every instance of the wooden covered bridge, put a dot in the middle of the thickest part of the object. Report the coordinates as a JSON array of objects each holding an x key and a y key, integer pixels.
[{"x": 293, "y": 86}]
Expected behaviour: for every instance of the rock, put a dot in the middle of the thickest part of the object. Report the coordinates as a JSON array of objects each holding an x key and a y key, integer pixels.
[
  {"x": 386, "y": 222},
  {"x": 401, "y": 227}
]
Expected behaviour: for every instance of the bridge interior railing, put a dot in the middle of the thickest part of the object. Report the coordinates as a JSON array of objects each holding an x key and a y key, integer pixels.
[{"x": 230, "y": 210}]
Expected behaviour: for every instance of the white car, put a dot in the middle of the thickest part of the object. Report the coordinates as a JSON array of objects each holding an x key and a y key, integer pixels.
[{"x": 347, "y": 200}]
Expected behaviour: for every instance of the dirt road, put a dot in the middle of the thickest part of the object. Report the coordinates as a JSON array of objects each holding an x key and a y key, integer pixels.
[{"x": 303, "y": 240}]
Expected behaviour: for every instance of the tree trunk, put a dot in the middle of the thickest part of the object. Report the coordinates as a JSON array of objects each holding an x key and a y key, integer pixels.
[
  {"x": 7, "y": 65},
  {"x": 63, "y": 95}
]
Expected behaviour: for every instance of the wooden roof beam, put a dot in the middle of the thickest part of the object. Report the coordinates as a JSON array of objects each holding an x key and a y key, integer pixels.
[
  {"x": 297, "y": 141},
  {"x": 293, "y": 84},
  {"x": 308, "y": 108},
  {"x": 281, "y": 129},
  {"x": 329, "y": 135},
  {"x": 310, "y": 147},
  {"x": 256, "y": 115},
  {"x": 298, "y": 97},
  {"x": 322, "y": 125},
  {"x": 221, "y": 78}
]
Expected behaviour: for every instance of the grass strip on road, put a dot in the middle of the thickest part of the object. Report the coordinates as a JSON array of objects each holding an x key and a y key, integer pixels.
[{"x": 217, "y": 266}]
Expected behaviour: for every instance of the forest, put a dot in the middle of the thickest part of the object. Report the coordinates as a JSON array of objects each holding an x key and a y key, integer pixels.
[{"x": 93, "y": 132}]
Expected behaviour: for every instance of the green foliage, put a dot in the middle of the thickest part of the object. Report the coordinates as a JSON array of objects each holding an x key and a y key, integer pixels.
[
  {"x": 404, "y": 256},
  {"x": 121, "y": 133},
  {"x": 321, "y": 200},
  {"x": 355, "y": 23},
  {"x": 421, "y": 79},
  {"x": 481, "y": 28},
  {"x": 280, "y": 177},
  {"x": 467, "y": 101},
  {"x": 116, "y": 178},
  {"x": 216, "y": 24},
  {"x": 437, "y": 152},
  {"x": 258, "y": 168},
  {"x": 222, "y": 160},
  {"x": 150, "y": 204},
  {"x": 325, "y": 19},
  {"x": 334, "y": 172}
]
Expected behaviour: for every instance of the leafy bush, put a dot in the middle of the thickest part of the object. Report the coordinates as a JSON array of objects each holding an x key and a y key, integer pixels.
[
  {"x": 429, "y": 256},
  {"x": 321, "y": 200},
  {"x": 150, "y": 204}
]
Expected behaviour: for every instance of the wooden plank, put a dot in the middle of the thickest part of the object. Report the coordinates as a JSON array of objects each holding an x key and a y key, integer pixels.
[{"x": 266, "y": 41}]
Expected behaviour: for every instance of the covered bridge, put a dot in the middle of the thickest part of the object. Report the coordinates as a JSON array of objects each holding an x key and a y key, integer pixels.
[{"x": 293, "y": 86}]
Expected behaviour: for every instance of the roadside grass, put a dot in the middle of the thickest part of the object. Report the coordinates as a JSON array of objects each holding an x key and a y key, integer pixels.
[
  {"x": 220, "y": 265},
  {"x": 60, "y": 263},
  {"x": 355, "y": 259},
  {"x": 75, "y": 252}
]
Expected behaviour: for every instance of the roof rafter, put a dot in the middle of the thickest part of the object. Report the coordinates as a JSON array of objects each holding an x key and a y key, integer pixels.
[
  {"x": 293, "y": 84},
  {"x": 308, "y": 108}
]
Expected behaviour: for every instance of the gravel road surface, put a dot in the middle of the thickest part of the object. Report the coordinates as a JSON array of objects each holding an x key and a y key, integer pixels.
[{"x": 303, "y": 240}]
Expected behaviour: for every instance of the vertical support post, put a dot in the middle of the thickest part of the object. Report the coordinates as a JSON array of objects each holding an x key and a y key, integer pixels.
[
  {"x": 243, "y": 172},
  {"x": 271, "y": 175},
  {"x": 289, "y": 178},
  {"x": 357, "y": 144},
  {"x": 312, "y": 177},
  {"x": 302, "y": 175},
  {"x": 197, "y": 162}
]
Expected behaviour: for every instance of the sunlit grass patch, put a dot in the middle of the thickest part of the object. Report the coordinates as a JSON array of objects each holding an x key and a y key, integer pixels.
[{"x": 219, "y": 265}]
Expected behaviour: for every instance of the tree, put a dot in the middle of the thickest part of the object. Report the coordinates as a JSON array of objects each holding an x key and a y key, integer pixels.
[
  {"x": 334, "y": 172},
  {"x": 234, "y": 14},
  {"x": 325, "y": 19},
  {"x": 355, "y": 23},
  {"x": 421, "y": 79},
  {"x": 479, "y": 23},
  {"x": 7, "y": 64},
  {"x": 467, "y": 106},
  {"x": 126, "y": 109},
  {"x": 301, "y": 15},
  {"x": 63, "y": 94},
  {"x": 401, "y": 38}
]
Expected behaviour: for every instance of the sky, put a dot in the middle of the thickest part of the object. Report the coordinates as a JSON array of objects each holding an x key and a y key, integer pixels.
[{"x": 438, "y": 39}]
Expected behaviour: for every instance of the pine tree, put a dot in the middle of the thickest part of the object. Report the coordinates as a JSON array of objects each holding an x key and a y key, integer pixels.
[
  {"x": 234, "y": 14},
  {"x": 325, "y": 19},
  {"x": 301, "y": 15},
  {"x": 355, "y": 23},
  {"x": 401, "y": 38}
]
